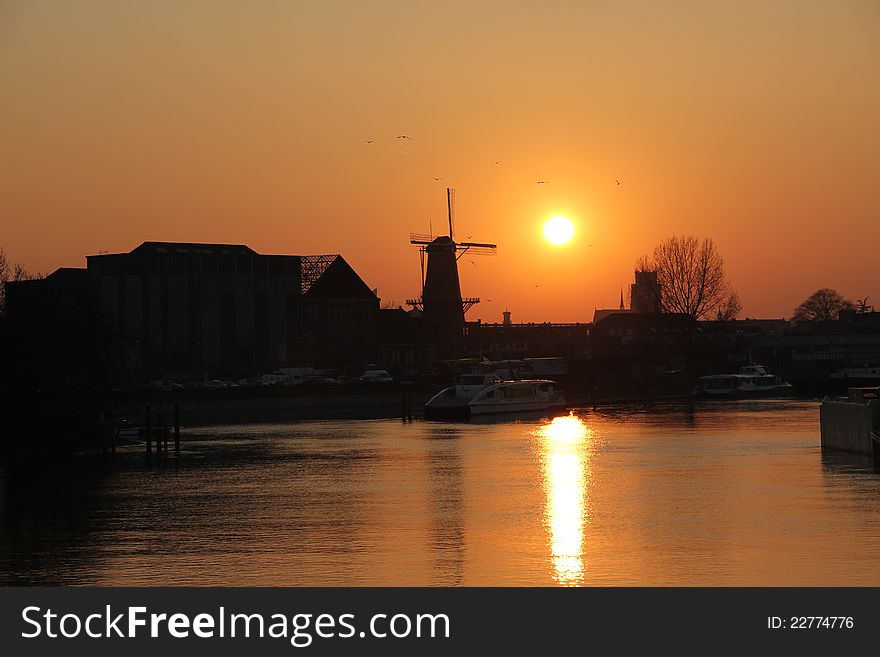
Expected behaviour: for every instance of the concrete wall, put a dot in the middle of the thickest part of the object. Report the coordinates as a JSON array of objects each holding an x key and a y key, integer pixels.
[{"x": 847, "y": 425}]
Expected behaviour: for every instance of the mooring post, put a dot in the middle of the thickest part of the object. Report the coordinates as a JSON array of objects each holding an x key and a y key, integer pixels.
[
  {"x": 406, "y": 401},
  {"x": 177, "y": 426},
  {"x": 160, "y": 428},
  {"x": 148, "y": 427},
  {"x": 103, "y": 432}
]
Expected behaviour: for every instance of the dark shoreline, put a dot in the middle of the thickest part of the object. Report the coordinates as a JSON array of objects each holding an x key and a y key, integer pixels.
[
  {"x": 360, "y": 404},
  {"x": 57, "y": 426}
]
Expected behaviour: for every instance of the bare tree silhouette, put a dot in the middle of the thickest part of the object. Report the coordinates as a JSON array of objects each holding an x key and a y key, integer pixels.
[
  {"x": 822, "y": 305},
  {"x": 692, "y": 279},
  {"x": 731, "y": 308},
  {"x": 11, "y": 272}
]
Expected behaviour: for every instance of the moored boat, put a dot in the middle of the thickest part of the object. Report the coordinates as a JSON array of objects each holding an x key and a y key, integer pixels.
[
  {"x": 752, "y": 381},
  {"x": 485, "y": 394},
  {"x": 866, "y": 375}
]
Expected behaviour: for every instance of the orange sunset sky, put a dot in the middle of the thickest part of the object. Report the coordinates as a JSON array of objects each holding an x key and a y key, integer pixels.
[{"x": 755, "y": 123}]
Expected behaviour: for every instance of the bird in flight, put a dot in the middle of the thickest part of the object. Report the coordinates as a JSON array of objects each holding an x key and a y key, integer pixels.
[
  {"x": 618, "y": 182},
  {"x": 542, "y": 182},
  {"x": 404, "y": 137},
  {"x": 438, "y": 178},
  {"x": 497, "y": 162},
  {"x": 369, "y": 141},
  {"x": 590, "y": 244}
]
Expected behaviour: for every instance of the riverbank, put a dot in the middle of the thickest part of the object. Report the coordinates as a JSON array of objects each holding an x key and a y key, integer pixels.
[
  {"x": 57, "y": 425},
  {"x": 207, "y": 408},
  {"x": 218, "y": 407}
]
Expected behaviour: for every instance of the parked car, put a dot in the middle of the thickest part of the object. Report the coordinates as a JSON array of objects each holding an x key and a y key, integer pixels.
[
  {"x": 321, "y": 380},
  {"x": 376, "y": 376},
  {"x": 214, "y": 384},
  {"x": 163, "y": 385}
]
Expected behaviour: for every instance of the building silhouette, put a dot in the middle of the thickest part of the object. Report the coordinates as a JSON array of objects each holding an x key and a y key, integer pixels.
[
  {"x": 646, "y": 293},
  {"x": 189, "y": 312}
]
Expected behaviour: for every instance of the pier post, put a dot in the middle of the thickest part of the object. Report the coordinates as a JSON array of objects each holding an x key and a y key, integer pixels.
[
  {"x": 148, "y": 427},
  {"x": 102, "y": 427},
  {"x": 406, "y": 402},
  {"x": 161, "y": 432},
  {"x": 177, "y": 426}
]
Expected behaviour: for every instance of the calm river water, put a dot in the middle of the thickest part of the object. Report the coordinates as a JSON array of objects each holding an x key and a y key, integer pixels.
[{"x": 712, "y": 494}]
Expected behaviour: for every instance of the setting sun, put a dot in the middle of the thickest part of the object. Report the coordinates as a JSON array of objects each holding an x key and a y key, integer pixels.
[{"x": 558, "y": 230}]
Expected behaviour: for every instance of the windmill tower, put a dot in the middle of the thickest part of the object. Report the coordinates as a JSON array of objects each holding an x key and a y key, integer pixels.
[{"x": 441, "y": 300}]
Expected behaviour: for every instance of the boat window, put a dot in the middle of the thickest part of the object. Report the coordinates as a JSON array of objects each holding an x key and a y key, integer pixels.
[{"x": 518, "y": 392}]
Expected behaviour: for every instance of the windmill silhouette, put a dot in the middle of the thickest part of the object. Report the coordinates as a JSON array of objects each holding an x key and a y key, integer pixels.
[{"x": 441, "y": 300}]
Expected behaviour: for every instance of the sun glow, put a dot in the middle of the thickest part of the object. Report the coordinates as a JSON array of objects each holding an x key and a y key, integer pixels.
[{"x": 558, "y": 230}]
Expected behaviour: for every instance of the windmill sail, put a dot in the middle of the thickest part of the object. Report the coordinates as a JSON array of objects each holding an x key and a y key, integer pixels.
[{"x": 441, "y": 300}]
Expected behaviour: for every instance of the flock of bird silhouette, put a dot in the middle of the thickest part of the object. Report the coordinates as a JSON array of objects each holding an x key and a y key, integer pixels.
[{"x": 495, "y": 162}]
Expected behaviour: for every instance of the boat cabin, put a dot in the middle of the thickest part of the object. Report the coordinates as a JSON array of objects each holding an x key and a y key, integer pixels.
[{"x": 469, "y": 385}]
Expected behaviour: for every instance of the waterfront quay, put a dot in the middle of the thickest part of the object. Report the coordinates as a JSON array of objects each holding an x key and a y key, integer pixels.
[{"x": 852, "y": 423}]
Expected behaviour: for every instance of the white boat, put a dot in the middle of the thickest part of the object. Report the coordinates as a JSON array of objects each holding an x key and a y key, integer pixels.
[
  {"x": 484, "y": 394},
  {"x": 857, "y": 376},
  {"x": 527, "y": 368},
  {"x": 752, "y": 381}
]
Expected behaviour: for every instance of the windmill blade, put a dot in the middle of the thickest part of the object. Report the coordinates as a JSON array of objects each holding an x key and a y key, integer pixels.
[
  {"x": 450, "y": 205},
  {"x": 476, "y": 249},
  {"x": 419, "y": 238}
]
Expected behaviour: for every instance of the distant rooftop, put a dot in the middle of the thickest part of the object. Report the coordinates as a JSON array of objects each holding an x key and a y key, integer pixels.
[
  {"x": 194, "y": 247},
  {"x": 601, "y": 313}
]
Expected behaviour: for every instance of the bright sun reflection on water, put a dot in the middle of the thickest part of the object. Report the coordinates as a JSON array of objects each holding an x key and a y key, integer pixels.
[{"x": 564, "y": 443}]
